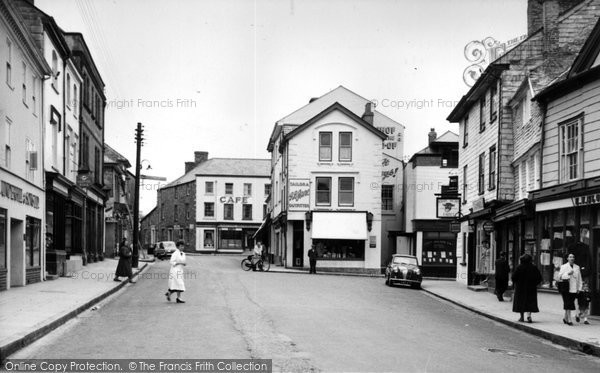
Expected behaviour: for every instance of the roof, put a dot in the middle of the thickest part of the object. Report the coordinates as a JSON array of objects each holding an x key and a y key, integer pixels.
[
  {"x": 339, "y": 107},
  {"x": 226, "y": 167},
  {"x": 112, "y": 156},
  {"x": 448, "y": 137}
]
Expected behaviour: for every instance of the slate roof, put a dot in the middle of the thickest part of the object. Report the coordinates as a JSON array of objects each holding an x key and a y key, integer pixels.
[
  {"x": 113, "y": 156},
  {"x": 226, "y": 167}
]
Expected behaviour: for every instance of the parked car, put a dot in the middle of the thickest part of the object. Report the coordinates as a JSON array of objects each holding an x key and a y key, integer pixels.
[
  {"x": 403, "y": 269},
  {"x": 164, "y": 249}
]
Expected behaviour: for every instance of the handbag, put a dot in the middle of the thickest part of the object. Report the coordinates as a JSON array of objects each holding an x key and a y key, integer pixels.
[{"x": 563, "y": 286}]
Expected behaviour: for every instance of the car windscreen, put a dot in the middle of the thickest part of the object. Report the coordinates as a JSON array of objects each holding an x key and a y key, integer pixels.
[
  {"x": 405, "y": 260},
  {"x": 169, "y": 245}
]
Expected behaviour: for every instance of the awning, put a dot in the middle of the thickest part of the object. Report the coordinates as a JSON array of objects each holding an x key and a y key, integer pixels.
[
  {"x": 264, "y": 225},
  {"x": 339, "y": 225}
]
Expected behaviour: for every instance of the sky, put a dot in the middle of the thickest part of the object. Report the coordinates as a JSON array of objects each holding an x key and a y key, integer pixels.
[{"x": 215, "y": 76}]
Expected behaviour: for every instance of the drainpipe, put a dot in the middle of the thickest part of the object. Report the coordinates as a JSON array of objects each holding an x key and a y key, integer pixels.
[{"x": 64, "y": 116}]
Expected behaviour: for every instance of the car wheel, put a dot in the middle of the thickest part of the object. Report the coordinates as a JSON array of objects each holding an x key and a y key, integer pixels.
[{"x": 415, "y": 286}]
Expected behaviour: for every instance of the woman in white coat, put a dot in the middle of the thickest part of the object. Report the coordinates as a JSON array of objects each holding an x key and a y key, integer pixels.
[
  {"x": 176, "y": 284},
  {"x": 570, "y": 272}
]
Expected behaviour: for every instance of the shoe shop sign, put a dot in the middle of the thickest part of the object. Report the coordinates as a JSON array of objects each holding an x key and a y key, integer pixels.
[{"x": 16, "y": 194}]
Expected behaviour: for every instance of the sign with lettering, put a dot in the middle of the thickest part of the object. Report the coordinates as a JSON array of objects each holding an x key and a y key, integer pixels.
[
  {"x": 299, "y": 195},
  {"x": 478, "y": 204},
  {"x": 16, "y": 194},
  {"x": 393, "y": 137},
  {"x": 232, "y": 199},
  {"x": 590, "y": 199},
  {"x": 448, "y": 207}
]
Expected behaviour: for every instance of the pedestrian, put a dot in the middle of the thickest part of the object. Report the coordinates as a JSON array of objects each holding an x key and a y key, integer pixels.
[
  {"x": 526, "y": 278},
  {"x": 584, "y": 298},
  {"x": 176, "y": 284},
  {"x": 502, "y": 274},
  {"x": 570, "y": 272},
  {"x": 258, "y": 253},
  {"x": 312, "y": 258},
  {"x": 124, "y": 265}
]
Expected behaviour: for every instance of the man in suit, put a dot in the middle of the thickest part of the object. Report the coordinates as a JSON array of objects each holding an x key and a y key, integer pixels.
[
  {"x": 312, "y": 256},
  {"x": 502, "y": 272}
]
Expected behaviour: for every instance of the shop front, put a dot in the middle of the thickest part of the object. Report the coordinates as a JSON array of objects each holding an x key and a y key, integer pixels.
[
  {"x": 568, "y": 222},
  {"x": 21, "y": 219},
  {"x": 225, "y": 238},
  {"x": 435, "y": 248}
]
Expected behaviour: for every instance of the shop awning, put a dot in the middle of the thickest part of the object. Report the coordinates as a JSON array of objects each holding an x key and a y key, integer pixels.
[
  {"x": 339, "y": 225},
  {"x": 262, "y": 227}
]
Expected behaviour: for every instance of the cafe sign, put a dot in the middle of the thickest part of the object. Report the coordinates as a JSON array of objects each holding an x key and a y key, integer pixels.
[
  {"x": 299, "y": 195},
  {"x": 16, "y": 194},
  {"x": 232, "y": 199}
]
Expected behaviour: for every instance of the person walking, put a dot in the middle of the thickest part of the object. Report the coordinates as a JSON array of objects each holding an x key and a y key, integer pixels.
[
  {"x": 312, "y": 258},
  {"x": 526, "y": 278},
  {"x": 502, "y": 274},
  {"x": 176, "y": 284},
  {"x": 124, "y": 266},
  {"x": 584, "y": 298},
  {"x": 571, "y": 273}
]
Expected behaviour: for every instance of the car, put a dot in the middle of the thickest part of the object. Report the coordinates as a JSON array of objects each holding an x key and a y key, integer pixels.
[
  {"x": 403, "y": 269},
  {"x": 164, "y": 249}
]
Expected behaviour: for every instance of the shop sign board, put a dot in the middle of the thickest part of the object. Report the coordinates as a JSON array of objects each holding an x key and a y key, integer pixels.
[
  {"x": 478, "y": 204},
  {"x": 488, "y": 226},
  {"x": 448, "y": 207},
  {"x": 16, "y": 194},
  {"x": 590, "y": 199},
  {"x": 299, "y": 195},
  {"x": 455, "y": 227}
]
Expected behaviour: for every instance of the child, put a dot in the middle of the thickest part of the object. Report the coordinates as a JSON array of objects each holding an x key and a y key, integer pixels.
[{"x": 583, "y": 301}]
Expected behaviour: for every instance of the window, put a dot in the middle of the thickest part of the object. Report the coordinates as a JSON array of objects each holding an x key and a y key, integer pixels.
[
  {"x": 29, "y": 155},
  {"x": 3, "y": 235},
  {"x": 9, "y": 63},
  {"x": 323, "y": 191},
  {"x": 7, "y": 149},
  {"x": 228, "y": 188},
  {"x": 162, "y": 212},
  {"x": 54, "y": 70},
  {"x": 481, "y": 173},
  {"x": 465, "y": 185},
  {"x": 176, "y": 191},
  {"x": 247, "y": 189},
  {"x": 492, "y": 168},
  {"x": 345, "y": 146},
  {"x": 340, "y": 249},
  {"x": 68, "y": 103},
  {"x": 188, "y": 187},
  {"x": 209, "y": 187},
  {"x": 209, "y": 209},
  {"x": 97, "y": 165},
  {"x": 346, "y": 191},
  {"x": 325, "y": 146},
  {"x": 387, "y": 197},
  {"x": 75, "y": 100},
  {"x": 175, "y": 212},
  {"x": 246, "y": 212},
  {"x": 267, "y": 189},
  {"x": 33, "y": 241},
  {"x": 493, "y": 95},
  {"x": 482, "y": 114},
  {"x": 228, "y": 211},
  {"x": 571, "y": 150},
  {"x": 209, "y": 239},
  {"x": 466, "y": 132},
  {"x": 24, "y": 89},
  {"x": 34, "y": 84}
]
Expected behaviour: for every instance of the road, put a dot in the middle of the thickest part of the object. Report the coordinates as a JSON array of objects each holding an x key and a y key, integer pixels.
[{"x": 303, "y": 322}]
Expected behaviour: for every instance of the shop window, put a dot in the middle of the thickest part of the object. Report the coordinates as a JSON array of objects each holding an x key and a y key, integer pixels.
[
  {"x": 340, "y": 249},
  {"x": 387, "y": 197},
  {"x": 247, "y": 212},
  {"x": 346, "y": 191},
  {"x": 209, "y": 187},
  {"x": 485, "y": 250},
  {"x": 571, "y": 150},
  {"x": 231, "y": 239},
  {"x": 33, "y": 241},
  {"x": 3, "y": 235},
  {"x": 228, "y": 188},
  {"x": 325, "y": 146},
  {"x": 323, "y": 191},
  {"x": 439, "y": 249},
  {"x": 209, "y": 239},
  {"x": 209, "y": 209},
  {"x": 228, "y": 211},
  {"x": 345, "y": 153}
]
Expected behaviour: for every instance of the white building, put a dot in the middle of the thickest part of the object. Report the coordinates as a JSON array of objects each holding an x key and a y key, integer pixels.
[
  {"x": 230, "y": 202},
  {"x": 22, "y": 196},
  {"x": 327, "y": 162}
]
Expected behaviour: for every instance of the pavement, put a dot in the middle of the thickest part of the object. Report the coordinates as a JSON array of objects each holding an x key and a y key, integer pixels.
[{"x": 29, "y": 312}]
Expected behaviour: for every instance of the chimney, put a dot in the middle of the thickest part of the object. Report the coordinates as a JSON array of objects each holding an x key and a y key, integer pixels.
[
  {"x": 432, "y": 136},
  {"x": 200, "y": 157},
  {"x": 189, "y": 166},
  {"x": 368, "y": 115},
  {"x": 534, "y": 16}
]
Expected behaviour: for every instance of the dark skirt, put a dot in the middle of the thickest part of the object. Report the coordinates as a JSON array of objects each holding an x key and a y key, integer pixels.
[
  {"x": 124, "y": 267},
  {"x": 569, "y": 301}
]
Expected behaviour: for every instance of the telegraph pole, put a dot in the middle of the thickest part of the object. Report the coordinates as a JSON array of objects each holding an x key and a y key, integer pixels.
[{"x": 136, "y": 201}]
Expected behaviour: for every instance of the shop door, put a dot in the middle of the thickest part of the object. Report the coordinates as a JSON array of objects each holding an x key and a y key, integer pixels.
[
  {"x": 17, "y": 253},
  {"x": 298, "y": 244},
  {"x": 471, "y": 258},
  {"x": 595, "y": 273}
]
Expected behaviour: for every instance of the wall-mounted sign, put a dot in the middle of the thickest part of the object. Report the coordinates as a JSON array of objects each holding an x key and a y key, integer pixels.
[
  {"x": 591, "y": 199},
  {"x": 478, "y": 204},
  {"x": 299, "y": 195},
  {"x": 488, "y": 226},
  {"x": 455, "y": 227},
  {"x": 232, "y": 199},
  {"x": 448, "y": 207},
  {"x": 393, "y": 137},
  {"x": 16, "y": 194}
]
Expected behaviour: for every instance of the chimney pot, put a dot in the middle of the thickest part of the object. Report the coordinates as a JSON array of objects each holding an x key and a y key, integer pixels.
[
  {"x": 368, "y": 115},
  {"x": 432, "y": 135}
]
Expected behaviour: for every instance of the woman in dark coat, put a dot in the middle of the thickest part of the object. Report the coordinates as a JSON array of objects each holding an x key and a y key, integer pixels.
[
  {"x": 124, "y": 266},
  {"x": 526, "y": 278},
  {"x": 502, "y": 274}
]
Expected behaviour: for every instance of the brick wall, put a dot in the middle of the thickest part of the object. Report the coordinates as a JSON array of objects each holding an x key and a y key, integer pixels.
[{"x": 168, "y": 198}]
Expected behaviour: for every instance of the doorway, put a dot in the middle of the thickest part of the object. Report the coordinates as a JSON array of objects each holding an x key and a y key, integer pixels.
[
  {"x": 471, "y": 259},
  {"x": 17, "y": 253},
  {"x": 298, "y": 243}
]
